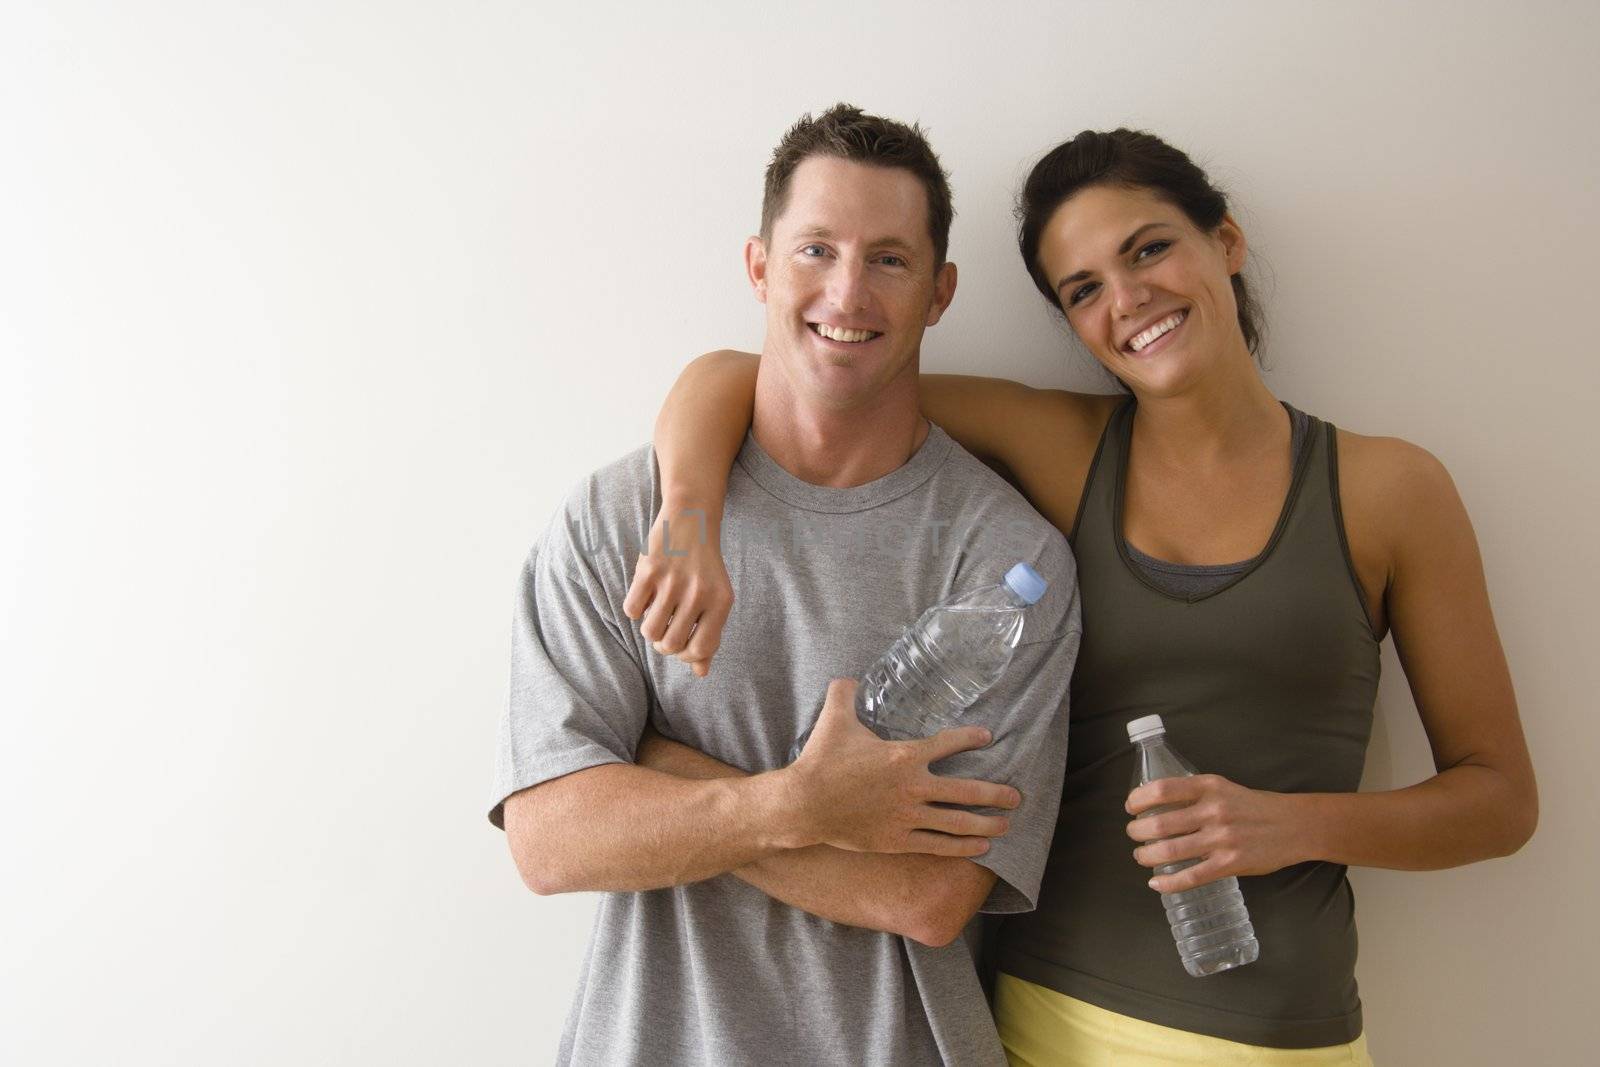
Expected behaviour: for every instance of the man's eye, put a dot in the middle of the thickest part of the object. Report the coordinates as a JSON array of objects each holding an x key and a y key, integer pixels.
[
  {"x": 813, "y": 250},
  {"x": 1153, "y": 248},
  {"x": 1082, "y": 292},
  {"x": 892, "y": 261}
]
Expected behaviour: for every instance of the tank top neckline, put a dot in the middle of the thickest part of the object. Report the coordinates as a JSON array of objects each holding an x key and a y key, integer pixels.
[{"x": 1124, "y": 433}]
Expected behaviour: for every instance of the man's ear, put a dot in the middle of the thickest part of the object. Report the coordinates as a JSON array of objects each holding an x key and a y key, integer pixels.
[
  {"x": 1234, "y": 245},
  {"x": 944, "y": 291},
  {"x": 755, "y": 265}
]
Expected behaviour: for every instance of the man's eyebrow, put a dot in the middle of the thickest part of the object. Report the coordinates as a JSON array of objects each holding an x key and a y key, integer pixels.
[
  {"x": 825, "y": 234},
  {"x": 1122, "y": 250}
]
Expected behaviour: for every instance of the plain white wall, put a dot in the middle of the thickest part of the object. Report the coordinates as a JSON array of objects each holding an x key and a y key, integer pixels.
[{"x": 310, "y": 312}]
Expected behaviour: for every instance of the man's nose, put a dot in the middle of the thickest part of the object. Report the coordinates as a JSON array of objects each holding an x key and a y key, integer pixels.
[{"x": 847, "y": 287}]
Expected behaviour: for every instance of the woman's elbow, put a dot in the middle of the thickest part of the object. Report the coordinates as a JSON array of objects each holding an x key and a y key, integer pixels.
[{"x": 1524, "y": 823}]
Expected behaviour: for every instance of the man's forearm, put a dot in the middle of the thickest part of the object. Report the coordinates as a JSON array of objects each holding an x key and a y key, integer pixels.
[
  {"x": 898, "y": 894},
  {"x": 620, "y": 827}
]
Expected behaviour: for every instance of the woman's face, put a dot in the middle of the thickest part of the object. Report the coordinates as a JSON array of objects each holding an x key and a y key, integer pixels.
[{"x": 1145, "y": 290}]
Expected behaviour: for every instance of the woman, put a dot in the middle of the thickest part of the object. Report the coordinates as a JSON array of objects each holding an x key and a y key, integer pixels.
[{"x": 1240, "y": 563}]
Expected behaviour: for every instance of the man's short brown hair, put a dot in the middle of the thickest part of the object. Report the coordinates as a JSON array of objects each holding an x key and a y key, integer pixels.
[{"x": 846, "y": 132}]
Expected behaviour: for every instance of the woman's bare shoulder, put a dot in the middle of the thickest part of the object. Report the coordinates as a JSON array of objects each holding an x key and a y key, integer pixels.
[
  {"x": 1396, "y": 494},
  {"x": 1391, "y": 471}
]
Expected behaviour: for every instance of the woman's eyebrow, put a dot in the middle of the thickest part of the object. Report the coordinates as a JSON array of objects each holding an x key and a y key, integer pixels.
[{"x": 1122, "y": 250}]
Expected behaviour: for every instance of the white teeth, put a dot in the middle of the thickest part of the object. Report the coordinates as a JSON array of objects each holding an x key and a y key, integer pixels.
[
  {"x": 834, "y": 333},
  {"x": 1164, "y": 326}
]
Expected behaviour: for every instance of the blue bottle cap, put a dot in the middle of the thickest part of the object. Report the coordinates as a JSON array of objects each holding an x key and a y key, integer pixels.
[{"x": 1026, "y": 582}]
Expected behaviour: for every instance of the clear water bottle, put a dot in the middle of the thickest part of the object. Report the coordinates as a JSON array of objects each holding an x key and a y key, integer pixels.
[
  {"x": 1209, "y": 922},
  {"x": 945, "y": 661}
]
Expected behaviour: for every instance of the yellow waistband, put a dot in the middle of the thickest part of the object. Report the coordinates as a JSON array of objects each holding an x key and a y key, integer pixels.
[{"x": 1042, "y": 1028}]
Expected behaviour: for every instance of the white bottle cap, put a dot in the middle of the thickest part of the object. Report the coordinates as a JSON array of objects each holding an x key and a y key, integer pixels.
[{"x": 1149, "y": 726}]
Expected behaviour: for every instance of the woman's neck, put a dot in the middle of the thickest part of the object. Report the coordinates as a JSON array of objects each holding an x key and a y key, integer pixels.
[{"x": 1224, "y": 418}]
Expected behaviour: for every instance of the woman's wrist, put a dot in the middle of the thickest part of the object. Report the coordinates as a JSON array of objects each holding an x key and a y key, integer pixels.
[
  {"x": 1310, "y": 823},
  {"x": 697, "y": 514}
]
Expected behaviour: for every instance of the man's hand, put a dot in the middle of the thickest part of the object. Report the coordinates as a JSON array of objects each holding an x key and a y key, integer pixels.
[{"x": 856, "y": 791}]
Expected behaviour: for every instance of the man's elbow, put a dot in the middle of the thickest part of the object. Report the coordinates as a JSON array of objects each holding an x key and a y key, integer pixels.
[
  {"x": 936, "y": 932},
  {"x": 940, "y": 920},
  {"x": 543, "y": 879},
  {"x": 538, "y": 857},
  {"x": 539, "y": 872}
]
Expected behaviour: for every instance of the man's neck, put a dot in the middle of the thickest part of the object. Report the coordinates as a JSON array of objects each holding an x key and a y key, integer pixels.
[{"x": 837, "y": 447}]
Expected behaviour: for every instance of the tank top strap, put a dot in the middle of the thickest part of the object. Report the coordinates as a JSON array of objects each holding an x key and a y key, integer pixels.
[{"x": 1099, "y": 488}]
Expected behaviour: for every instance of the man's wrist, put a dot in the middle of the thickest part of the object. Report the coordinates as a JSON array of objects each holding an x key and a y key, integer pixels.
[{"x": 781, "y": 813}]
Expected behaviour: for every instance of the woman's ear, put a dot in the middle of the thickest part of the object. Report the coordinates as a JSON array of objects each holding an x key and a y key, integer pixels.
[{"x": 1234, "y": 246}]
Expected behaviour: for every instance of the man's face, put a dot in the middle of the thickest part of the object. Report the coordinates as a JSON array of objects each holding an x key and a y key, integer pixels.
[{"x": 849, "y": 281}]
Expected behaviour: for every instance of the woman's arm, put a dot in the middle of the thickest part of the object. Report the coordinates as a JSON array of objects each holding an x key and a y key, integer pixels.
[
  {"x": 683, "y": 599},
  {"x": 1482, "y": 803},
  {"x": 1046, "y": 438}
]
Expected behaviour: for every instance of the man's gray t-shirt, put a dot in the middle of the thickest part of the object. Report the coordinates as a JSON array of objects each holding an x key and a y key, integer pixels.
[{"x": 826, "y": 580}]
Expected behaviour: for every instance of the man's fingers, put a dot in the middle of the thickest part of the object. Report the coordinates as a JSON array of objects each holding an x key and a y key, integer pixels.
[
  {"x": 949, "y": 742},
  {"x": 837, "y": 714},
  {"x": 841, "y": 698},
  {"x": 966, "y": 823},
  {"x": 973, "y": 793},
  {"x": 936, "y": 844}
]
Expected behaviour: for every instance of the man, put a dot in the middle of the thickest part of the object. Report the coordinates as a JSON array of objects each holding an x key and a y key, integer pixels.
[{"x": 801, "y": 914}]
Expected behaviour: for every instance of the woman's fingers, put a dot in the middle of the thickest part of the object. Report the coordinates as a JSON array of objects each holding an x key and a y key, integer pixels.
[
  {"x": 679, "y": 628},
  {"x": 1166, "y": 824},
  {"x": 706, "y": 638},
  {"x": 1173, "y": 850},
  {"x": 658, "y": 616},
  {"x": 641, "y": 590},
  {"x": 1200, "y": 874},
  {"x": 1162, "y": 792}
]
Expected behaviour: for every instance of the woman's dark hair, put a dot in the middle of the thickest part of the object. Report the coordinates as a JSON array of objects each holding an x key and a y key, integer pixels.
[{"x": 1131, "y": 159}]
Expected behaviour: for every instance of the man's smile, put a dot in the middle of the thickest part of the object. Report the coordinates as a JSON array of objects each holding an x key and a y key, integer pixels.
[{"x": 841, "y": 334}]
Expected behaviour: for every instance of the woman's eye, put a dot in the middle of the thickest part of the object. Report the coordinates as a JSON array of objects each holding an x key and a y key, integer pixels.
[
  {"x": 1080, "y": 293},
  {"x": 1153, "y": 248}
]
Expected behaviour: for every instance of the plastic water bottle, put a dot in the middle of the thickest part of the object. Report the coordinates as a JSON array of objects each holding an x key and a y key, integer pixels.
[
  {"x": 1209, "y": 922},
  {"x": 945, "y": 661}
]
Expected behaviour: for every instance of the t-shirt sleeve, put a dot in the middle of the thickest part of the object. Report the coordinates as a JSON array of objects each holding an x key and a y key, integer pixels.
[
  {"x": 579, "y": 697},
  {"x": 1026, "y": 712}
]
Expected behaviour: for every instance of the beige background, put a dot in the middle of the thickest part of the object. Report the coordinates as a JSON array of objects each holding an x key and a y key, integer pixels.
[{"x": 310, "y": 312}]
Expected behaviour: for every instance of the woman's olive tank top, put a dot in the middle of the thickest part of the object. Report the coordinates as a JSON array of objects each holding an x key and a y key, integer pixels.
[{"x": 1268, "y": 680}]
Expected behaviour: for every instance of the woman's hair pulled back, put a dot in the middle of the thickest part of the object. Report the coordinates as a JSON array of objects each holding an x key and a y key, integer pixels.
[{"x": 1131, "y": 159}]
